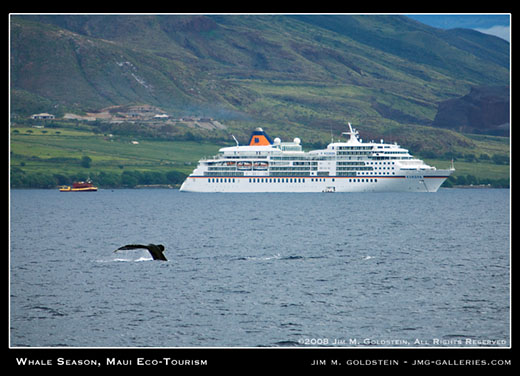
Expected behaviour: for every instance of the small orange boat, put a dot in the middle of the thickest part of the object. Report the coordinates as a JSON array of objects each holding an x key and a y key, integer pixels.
[{"x": 79, "y": 186}]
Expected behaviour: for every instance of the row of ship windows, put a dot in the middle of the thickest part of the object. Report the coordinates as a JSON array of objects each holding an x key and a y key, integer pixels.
[
  {"x": 378, "y": 173},
  {"x": 286, "y": 180}
]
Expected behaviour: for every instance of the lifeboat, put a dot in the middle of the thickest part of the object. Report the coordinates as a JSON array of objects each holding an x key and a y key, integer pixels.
[
  {"x": 244, "y": 165},
  {"x": 261, "y": 165}
]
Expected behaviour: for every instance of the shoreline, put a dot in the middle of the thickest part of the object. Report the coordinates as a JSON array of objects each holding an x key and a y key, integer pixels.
[{"x": 171, "y": 186}]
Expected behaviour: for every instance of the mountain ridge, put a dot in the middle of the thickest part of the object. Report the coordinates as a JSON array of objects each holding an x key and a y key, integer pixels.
[{"x": 315, "y": 72}]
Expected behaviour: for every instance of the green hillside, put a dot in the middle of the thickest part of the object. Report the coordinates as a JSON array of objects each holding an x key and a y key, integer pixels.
[
  {"x": 320, "y": 70},
  {"x": 297, "y": 76},
  {"x": 48, "y": 157}
]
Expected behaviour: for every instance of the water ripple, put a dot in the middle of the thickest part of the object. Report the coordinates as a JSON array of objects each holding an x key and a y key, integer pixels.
[{"x": 258, "y": 270}]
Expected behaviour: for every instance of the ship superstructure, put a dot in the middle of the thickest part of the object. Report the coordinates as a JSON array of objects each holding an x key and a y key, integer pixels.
[{"x": 266, "y": 165}]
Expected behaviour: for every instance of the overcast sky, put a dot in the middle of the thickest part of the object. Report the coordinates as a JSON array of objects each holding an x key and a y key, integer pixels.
[{"x": 494, "y": 24}]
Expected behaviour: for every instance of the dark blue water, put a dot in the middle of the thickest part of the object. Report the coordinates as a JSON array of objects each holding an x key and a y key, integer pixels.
[{"x": 247, "y": 270}]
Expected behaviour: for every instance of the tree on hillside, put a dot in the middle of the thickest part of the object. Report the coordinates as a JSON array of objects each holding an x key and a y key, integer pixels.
[{"x": 86, "y": 161}]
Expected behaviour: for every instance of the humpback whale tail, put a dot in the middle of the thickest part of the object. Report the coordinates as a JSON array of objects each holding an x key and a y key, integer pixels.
[{"x": 156, "y": 250}]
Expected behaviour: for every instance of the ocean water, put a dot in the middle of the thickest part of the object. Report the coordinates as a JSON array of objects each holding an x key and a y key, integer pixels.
[{"x": 269, "y": 270}]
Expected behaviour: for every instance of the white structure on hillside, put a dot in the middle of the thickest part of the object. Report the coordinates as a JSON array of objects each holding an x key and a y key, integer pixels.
[{"x": 42, "y": 116}]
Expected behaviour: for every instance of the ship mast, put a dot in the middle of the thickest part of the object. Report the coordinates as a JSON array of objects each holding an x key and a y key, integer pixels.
[{"x": 353, "y": 135}]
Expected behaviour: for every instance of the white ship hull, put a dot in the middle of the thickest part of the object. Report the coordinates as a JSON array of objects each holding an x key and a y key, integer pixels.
[{"x": 260, "y": 184}]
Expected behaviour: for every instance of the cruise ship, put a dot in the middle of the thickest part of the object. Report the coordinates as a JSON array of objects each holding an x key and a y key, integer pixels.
[{"x": 266, "y": 165}]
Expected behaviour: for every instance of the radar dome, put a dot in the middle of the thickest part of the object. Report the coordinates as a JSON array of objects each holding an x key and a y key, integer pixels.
[
  {"x": 297, "y": 141},
  {"x": 277, "y": 141}
]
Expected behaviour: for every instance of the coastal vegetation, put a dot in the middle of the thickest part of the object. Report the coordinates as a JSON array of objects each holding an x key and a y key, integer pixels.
[{"x": 63, "y": 153}]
